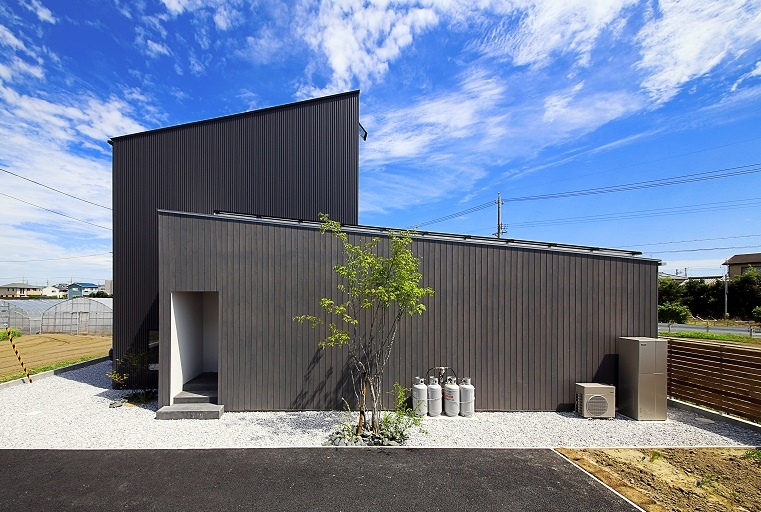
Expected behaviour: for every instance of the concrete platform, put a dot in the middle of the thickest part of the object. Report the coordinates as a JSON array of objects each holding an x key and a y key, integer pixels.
[{"x": 190, "y": 412}]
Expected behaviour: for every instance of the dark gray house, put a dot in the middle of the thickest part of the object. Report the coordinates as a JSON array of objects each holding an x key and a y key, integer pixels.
[
  {"x": 227, "y": 250},
  {"x": 292, "y": 161}
]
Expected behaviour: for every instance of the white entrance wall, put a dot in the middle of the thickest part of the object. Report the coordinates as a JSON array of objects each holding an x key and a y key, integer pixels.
[{"x": 194, "y": 337}]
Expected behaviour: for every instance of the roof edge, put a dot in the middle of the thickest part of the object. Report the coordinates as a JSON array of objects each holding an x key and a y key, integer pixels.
[
  {"x": 431, "y": 235},
  {"x": 239, "y": 114}
]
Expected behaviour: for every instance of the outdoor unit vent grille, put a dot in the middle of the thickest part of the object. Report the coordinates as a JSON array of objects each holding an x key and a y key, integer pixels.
[{"x": 595, "y": 400}]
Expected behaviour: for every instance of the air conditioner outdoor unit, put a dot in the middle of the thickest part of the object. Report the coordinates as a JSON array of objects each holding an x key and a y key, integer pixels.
[{"x": 595, "y": 400}]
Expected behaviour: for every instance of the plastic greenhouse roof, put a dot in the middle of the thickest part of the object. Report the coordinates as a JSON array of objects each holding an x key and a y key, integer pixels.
[{"x": 32, "y": 307}]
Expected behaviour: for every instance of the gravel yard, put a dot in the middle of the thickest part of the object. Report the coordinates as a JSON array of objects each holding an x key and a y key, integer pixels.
[{"x": 71, "y": 411}]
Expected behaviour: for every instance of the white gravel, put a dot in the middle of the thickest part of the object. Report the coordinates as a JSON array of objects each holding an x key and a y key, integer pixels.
[{"x": 71, "y": 411}]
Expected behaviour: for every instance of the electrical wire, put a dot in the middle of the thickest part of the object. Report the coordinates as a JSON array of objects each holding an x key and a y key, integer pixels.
[
  {"x": 57, "y": 259},
  {"x": 453, "y": 215},
  {"x": 54, "y": 189},
  {"x": 57, "y": 213},
  {"x": 639, "y": 185},
  {"x": 709, "y": 249},
  {"x": 636, "y": 214},
  {"x": 690, "y": 241}
]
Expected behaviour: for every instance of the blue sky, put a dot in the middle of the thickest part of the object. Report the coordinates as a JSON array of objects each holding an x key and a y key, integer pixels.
[{"x": 460, "y": 101}]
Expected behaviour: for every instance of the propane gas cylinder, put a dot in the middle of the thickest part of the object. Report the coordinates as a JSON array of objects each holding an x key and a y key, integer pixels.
[
  {"x": 420, "y": 397},
  {"x": 467, "y": 397},
  {"x": 434, "y": 397},
  {"x": 451, "y": 397}
]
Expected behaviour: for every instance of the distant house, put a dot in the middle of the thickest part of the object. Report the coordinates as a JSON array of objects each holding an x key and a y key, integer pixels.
[
  {"x": 741, "y": 263},
  {"x": 11, "y": 290},
  {"x": 81, "y": 289},
  {"x": 56, "y": 291}
]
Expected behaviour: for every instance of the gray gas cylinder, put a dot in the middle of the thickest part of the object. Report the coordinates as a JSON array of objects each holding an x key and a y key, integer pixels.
[
  {"x": 467, "y": 397},
  {"x": 451, "y": 397},
  {"x": 420, "y": 397},
  {"x": 434, "y": 397}
]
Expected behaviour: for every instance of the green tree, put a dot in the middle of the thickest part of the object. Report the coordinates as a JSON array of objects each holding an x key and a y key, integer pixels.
[
  {"x": 744, "y": 294},
  {"x": 756, "y": 314},
  {"x": 378, "y": 291},
  {"x": 669, "y": 291},
  {"x": 673, "y": 313}
]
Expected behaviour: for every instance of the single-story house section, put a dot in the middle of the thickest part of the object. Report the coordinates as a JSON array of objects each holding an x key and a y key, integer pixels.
[
  {"x": 25, "y": 315},
  {"x": 80, "y": 316},
  {"x": 524, "y": 320},
  {"x": 217, "y": 247}
]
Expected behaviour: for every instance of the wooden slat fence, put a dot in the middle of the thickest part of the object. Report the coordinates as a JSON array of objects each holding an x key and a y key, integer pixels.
[{"x": 722, "y": 377}]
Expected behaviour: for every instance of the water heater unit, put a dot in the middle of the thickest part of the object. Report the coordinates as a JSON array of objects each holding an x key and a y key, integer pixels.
[{"x": 595, "y": 400}]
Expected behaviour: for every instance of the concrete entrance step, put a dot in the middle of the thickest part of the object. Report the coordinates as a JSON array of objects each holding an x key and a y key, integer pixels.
[
  {"x": 204, "y": 396},
  {"x": 202, "y": 382},
  {"x": 190, "y": 412}
]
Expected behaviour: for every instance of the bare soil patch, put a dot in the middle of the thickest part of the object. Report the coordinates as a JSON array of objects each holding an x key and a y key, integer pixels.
[
  {"x": 39, "y": 350},
  {"x": 671, "y": 479}
]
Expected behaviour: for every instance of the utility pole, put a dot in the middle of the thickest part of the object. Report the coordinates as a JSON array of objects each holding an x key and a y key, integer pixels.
[
  {"x": 501, "y": 228},
  {"x": 726, "y": 292}
]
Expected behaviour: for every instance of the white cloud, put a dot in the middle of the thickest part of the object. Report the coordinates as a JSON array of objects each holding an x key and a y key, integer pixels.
[
  {"x": 753, "y": 73},
  {"x": 42, "y": 12},
  {"x": 224, "y": 17},
  {"x": 549, "y": 28},
  {"x": 688, "y": 40},
  {"x": 8, "y": 39},
  {"x": 11, "y": 71},
  {"x": 155, "y": 49},
  {"x": 360, "y": 40}
]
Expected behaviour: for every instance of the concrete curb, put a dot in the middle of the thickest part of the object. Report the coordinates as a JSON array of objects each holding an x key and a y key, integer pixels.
[
  {"x": 50, "y": 373},
  {"x": 714, "y": 415}
]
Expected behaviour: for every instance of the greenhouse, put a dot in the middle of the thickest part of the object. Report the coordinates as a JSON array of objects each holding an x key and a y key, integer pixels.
[
  {"x": 81, "y": 315},
  {"x": 25, "y": 315}
]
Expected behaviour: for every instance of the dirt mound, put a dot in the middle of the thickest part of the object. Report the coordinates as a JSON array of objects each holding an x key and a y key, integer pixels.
[{"x": 704, "y": 479}]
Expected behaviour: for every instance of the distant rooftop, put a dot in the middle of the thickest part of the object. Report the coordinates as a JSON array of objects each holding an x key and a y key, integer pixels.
[
  {"x": 739, "y": 259},
  {"x": 20, "y": 285}
]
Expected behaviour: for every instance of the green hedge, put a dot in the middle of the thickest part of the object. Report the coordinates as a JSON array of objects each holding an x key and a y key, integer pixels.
[{"x": 14, "y": 332}]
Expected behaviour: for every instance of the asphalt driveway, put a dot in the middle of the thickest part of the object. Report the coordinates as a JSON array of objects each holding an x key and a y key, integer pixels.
[{"x": 293, "y": 479}]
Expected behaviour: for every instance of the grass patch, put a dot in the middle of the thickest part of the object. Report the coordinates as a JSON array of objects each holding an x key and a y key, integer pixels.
[
  {"x": 709, "y": 336},
  {"x": 45, "y": 368},
  {"x": 753, "y": 455}
]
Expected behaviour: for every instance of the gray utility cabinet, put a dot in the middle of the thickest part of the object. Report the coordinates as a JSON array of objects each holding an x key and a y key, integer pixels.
[{"x": 642, "y": 378}]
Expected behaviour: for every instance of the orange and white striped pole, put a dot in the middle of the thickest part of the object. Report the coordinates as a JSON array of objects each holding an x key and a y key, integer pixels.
[{"x": 10, "y": 338}]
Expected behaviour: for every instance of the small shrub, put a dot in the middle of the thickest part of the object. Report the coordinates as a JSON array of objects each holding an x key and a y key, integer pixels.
[
  {"x": 394, "y": 426},
  {"x": 753, "y": 455},
  {"x": 15, "y": 333},
  {"x": 655, "y": 455},
  {"x": 756, "y": 314},
  {"x": 673, "y": 313}
]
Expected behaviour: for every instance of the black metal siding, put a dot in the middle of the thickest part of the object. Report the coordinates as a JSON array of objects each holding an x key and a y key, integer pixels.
[
  {"x": 525, "y": 324},
  {"x": 293, "y": 161}
]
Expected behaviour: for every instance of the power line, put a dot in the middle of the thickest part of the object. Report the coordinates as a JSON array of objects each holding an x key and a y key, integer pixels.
[
  {"x": 690, "y": 241},
  {"x": 709, "y": 249},
  {"x": 54, "y": 189},
  {"x": 453, "y": 215},
  {"x": 57, "y": 259},
  {"x": 57, "y": 213},
  {"x": 639, "y": 164},
  {"x": 639, "y": 185},
  {"x": 635, "y": 214}
]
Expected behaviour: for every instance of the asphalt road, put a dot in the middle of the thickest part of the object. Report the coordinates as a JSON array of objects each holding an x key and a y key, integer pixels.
[
  {"x": 742, "y": 331},
  {"x": 294, "y": 479}
]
